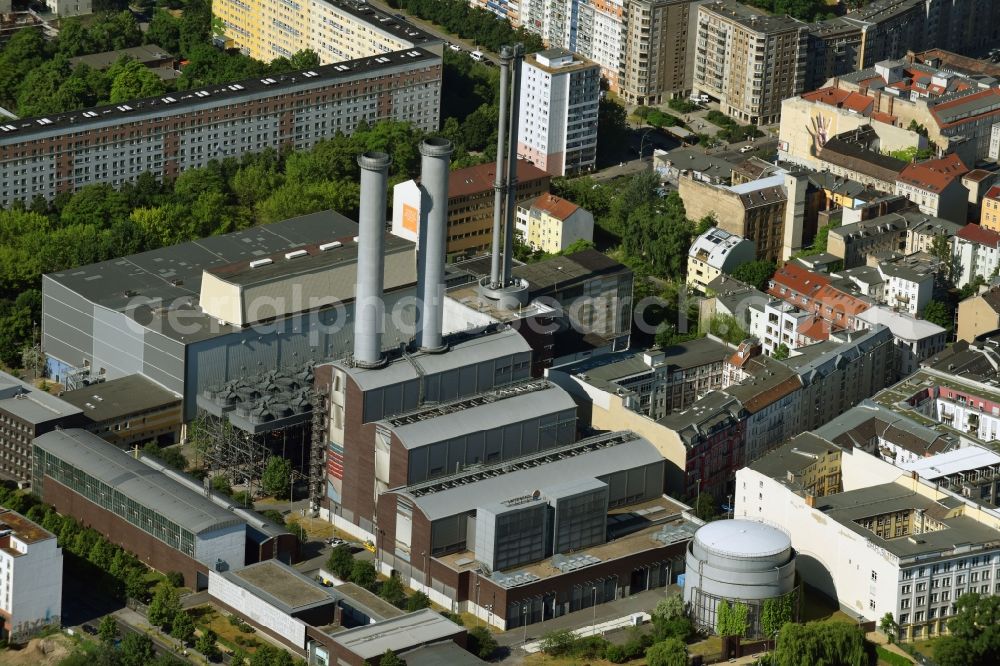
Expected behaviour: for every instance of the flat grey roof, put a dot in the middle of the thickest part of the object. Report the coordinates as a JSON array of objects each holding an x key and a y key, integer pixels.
[
  {"x": 397, "y": 634},
  {"x": 110, "y": 465},
  {"x": 561, "y": 272},
  {"x": 854, "y": 505},
  {"x": 605, "y": 371},
  {"x": 216, "y": 95},
  {"x": 445, "y": 652},
  {"x": 120, "y": 397},
  {"x": 172, "y": 275},
  {"x": 30, "y": 404},
  {"x": 502, "y": 343},
  {"x": 367, "y": 602},
  {"x": 590, "y": 458},
  {"x": 522, "y": 402},
  {"x": 282, "y": 586},
  {"x": 144, "y": 53},
  {"x": 795, "y": 455}
]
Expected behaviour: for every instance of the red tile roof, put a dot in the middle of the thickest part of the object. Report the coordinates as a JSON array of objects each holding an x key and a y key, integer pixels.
[
  {"x": 974, "y": 233},
  {"x": 842, "y": 99},
  {"x": 821, "y": 300},
  {"x": 798, "y": 279},
  {"x": 993, "y": 192},
  {"x": 555, "y": 206},
  {"x": 479, "y": 178},
  {"x": 934, "y": 175},
  {"x": 815, "y": 328}
]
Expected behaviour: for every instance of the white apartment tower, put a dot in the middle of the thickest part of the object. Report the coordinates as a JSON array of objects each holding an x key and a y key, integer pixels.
[
  {"x": 31, "y": 574},
  {"x": 560, "y": 93}
]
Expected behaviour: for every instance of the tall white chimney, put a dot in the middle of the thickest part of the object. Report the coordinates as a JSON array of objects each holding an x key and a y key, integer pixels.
[
  {"x": 434, "y": 169},
  {"x": 369, "y": 305}
]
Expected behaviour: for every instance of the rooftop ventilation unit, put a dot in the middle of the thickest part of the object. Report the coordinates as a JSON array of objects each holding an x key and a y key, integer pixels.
[
  {"x": 260, "y": 262},
  {"x": 296, "y": 254},
  {"x": 330, "y": 246}
]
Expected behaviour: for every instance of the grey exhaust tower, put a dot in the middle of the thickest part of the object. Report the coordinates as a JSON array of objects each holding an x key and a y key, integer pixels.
[
  {"x": 369, "y": 305},
  {"x": 434, "y": 170},
  {"x": 501, "y": 287}
]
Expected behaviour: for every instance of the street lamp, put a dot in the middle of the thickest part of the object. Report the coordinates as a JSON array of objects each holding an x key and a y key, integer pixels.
[
  {"x": 524, "y": 621},
  {"x": 477, "y": 597},
  {"x": 642, "y": 142},
  {"x": 593, "y": 626},
  {"x": 426, "y": 573},
  {"x": 697, "y": 499}
]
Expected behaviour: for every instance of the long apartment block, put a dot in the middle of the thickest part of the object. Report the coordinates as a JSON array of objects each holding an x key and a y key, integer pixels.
[
  {"x": 165, "y": 135},
  {"x": 336, "y": 30}
]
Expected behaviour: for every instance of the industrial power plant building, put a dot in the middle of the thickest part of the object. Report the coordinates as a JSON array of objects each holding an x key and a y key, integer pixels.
[
  {"x": 194, "y": 316},
  {"x": 737, "y": 561}
]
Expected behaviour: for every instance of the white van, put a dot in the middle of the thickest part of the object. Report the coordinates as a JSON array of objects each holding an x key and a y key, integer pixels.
[{"x": 476, "y": 55}]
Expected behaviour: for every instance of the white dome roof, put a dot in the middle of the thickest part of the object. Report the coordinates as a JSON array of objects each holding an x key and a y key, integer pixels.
[{"x": 743, "y": 538}]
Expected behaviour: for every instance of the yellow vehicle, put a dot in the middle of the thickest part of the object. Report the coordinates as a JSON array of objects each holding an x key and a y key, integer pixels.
[{"x": 369, "y": 546}]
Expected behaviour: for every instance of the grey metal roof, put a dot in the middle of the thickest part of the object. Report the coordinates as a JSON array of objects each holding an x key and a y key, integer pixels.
[
  {"x": 537, "y": 399},
  {"x": 282, "y": 586},
  {"x": 538, "y": 471},
  {"x": 172, "y": 275},
  {"x": 503, "y": 343},
  {"x": 144, "y": 53},
  {"x": 397, "y": 634},
  {"x": 110, "y": 465},
  {"x": 445, "y": 652},
  {"x": 175, "y": 271},
  {"x": 120, "y": 397},
  {"x": 794, "y": 456},
  {"x": 848, "y": 507},
  {"x": 30, "y": 404}
]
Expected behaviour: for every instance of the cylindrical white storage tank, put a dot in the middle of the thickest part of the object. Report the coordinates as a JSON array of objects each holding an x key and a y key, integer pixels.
[{"x": 736, "y": 560}]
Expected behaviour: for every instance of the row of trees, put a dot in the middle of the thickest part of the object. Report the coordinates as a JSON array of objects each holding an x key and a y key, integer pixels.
[
  {"x": 36, "y": 77},
  {"x": 468, "y": 22}
]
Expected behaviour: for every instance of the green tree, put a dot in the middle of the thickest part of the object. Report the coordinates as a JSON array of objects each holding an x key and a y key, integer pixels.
[
  {"x": 887, "y": 625},
  {"x": 612, "y": 128},
  {"x": 775, "y": 613},
  {"x": 417, "y": 601},
  {"x": 165, "y": 605},
  {"x": 390, "y": 659},
  {"x": 670, "y": 652},
  {"x": 670, "y": 619},
  {"x": 206, "y": 644},
  {"x": 558, "y": 643},
  {"x": 182, "y": 627},
  {"x": 220, "y": 484},
  {"x": 728, "y": 328},
  {"x": 340, "y": 562},
  {"x": 974, "y": 638},
  {"x": 363, "y": 573},
  {"x": 107, "y": 629},
  {"x": 393, "y": 591},
  {"x": 937, "y": 312},
  {"x": 941, "y": 248},
  {"x": 731, "y": 619},
  {"x": 164, "y": 30},
  {"x": 820, "y": 643},
  {"x": 277, "y": 477},
  {"x": 755, "y": 273},
  {"x": 133, "y": 80},
  {"x": 482, "y": 643},
  {"x": 781, "y": 352},
  {"x": 135, "y": 584},
  {"x": 135, "y": 649},
  {"x": 705, "y": 507}
]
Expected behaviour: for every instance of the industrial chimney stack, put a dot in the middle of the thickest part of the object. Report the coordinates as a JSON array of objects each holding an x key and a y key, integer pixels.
[
  {"x": 434, "y": 169},
  {"x": 501, "y": 287},
  {"x": 369, "y": 304}
]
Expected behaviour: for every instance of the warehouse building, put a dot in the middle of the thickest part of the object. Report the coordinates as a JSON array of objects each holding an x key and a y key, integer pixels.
[
  {"x": 168, "y": 526},
  {"x": 129, "y": 410},
  {"x": 165, "y": 135},
  {"x": 195, "y": 316},
  {"x": 25, "y": 413}
]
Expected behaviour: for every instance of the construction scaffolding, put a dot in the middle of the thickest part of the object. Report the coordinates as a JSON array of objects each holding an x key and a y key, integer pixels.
[
  {"x": 231, "y": 452},
  {"x": 317, "y": 450}
]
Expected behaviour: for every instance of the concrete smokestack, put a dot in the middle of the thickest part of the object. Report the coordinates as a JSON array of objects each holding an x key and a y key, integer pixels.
[
  {"x": 369, "y": 306},
  {"x": 434, "y": 169},
  {"x": 511, "y": 212},
  {"x": 499, "y": 189}
]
